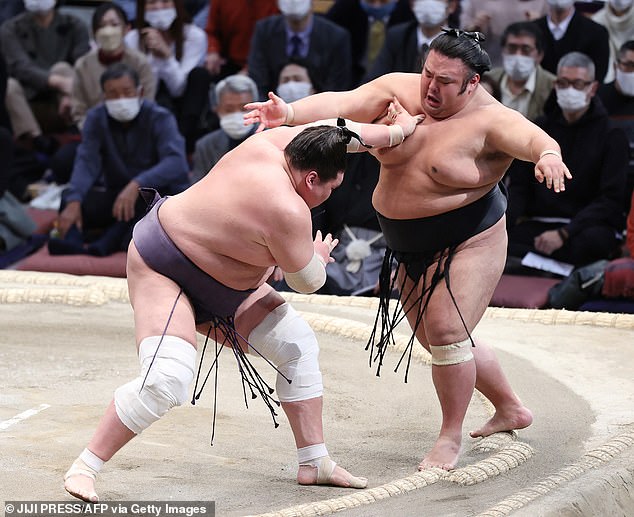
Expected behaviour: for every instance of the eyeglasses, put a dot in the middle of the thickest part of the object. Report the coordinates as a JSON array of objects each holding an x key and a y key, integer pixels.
[
  {"x": 525, "y": 50},
  {"x": 627, "y": 66},
  {"x": 577, "y": 84}
]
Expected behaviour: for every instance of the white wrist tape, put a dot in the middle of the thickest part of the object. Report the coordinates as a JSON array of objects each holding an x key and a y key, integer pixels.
[
  {"x": 454, "y": 353},
  {"x": 396, "y": 135},
  {"x": 308, "y": 279},
  {"x": 290, "y": 115},
  {"x": 285, "y": 339},
  {"x": 550, "y": 151},
  {"x": 166, "y": 386}
]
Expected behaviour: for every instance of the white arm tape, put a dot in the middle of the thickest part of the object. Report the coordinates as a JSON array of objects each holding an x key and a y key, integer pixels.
[
  {"x": 308, "y": 279},
  {"x": 396, "y": 135}
]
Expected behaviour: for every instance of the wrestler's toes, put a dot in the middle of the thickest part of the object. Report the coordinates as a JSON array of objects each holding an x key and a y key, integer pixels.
[
  {"x": 424, "y": 465},
  {"x": 81, "y": 487}
]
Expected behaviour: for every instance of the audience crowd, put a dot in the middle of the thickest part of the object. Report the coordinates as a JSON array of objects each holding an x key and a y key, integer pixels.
[{"x": 150, "y": 93}]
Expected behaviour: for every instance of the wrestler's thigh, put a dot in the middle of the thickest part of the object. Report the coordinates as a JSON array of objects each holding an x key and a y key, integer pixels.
[
  {"x": 256, "y": 307},
  {"x": 475, "y": 271},
  {"x": 152, "y": 296}
]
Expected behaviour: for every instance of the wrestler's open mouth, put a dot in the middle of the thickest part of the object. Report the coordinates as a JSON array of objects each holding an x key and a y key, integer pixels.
[{"x": 432, "y": 100}]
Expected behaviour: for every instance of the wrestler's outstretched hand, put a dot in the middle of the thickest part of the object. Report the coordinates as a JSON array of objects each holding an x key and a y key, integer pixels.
[
  {"x": 323, "y": 246},
  {"x": 399, "y": 115},
  {"x": 272, "y": 113},
  {"x": 551, "y": 168}
]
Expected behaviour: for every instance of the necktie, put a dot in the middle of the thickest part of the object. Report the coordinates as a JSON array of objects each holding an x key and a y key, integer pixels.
[
  {"x": 296, "y": 46},
  {"x": 376, "y": 37}
]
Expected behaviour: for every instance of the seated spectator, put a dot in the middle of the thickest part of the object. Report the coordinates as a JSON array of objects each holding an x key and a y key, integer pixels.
[
  {"x": 567, "y": 30},
  {"x": 109, "y": 24},
  {"x": 618, "y": 99},
  {"x": 617, "y": 16},
  {"x": 176, "y": 50},
  {"x": 127, "y": 143},
  {"x": 298, "y": 33},
  {"x": 231, "y": 94},
  {"x": 525, "y": 86},
  {"x": 406, "y": 44},
  {"x": 367, "y": 22},
  {"x": 129, "y": 7},
  {"x": 491, "y": 17},
  {"x": 40, "y": 47},
  {"x": 229, "y": 34},
  {"x": 296, "y": 81},
  {"x": 584, "y": 223}
]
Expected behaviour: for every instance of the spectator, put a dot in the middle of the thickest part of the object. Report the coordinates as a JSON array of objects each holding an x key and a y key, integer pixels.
[
  {"x": 296, "y": 81},
  {"x": 129, "y": 7},
  {"x": 127, "y": 143},
  {"x": 176, "y": 50},
  {"x": 585, "y": 222},
  {"x": 618, "y": 99},
  {"x": 41, "y": 47},
  {"x": 230, "y": 26},
  {"x": 231, "y": 94},
  {"x": 491, "y": 17},
  {"x": 566, "y": 30},
  {"x": 10, "y": 8},
  {"x": 617, "y": 16},
  {"x": 491, "y": 86},
  {"x": 367, "y": 22},
  {"x": 524, "y": 85},
  {"x": 298, "y": 33},
  {"x": 406, "y": 44}
]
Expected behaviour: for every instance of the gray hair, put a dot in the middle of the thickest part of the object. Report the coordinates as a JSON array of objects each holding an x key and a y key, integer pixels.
[
  {"x": 237, "y": 83},
  {"x": 576, "y": 60}
]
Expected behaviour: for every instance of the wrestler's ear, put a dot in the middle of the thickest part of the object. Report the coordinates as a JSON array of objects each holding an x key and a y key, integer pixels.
[{"x": 312, "y": 178}]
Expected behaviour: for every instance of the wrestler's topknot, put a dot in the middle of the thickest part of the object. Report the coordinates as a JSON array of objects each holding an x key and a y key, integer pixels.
[
  {"x": 318, "y": 148},
  {"x": 464, "y": 45}
]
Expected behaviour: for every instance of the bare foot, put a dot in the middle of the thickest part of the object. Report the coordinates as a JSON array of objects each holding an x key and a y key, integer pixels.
[
  {"x": 444, "y": 455},
  {"x": 327, "y": 472},
  {"x": 517, "y": 418},
  {"x": 82, "y": 487}
]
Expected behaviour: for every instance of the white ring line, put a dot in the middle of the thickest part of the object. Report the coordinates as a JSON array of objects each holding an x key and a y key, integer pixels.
[{"x": 5, "y": 424}]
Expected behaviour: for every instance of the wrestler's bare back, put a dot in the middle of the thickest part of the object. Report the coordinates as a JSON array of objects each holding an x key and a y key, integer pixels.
[{"x": 224, "y": 221}]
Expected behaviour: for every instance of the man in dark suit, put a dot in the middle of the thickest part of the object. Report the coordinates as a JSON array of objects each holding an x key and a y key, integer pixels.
[
  {"x": 566, "y": 30},
  {"x": 406, "y": 43},
  {"x": 367, "y": 22},
  {"x": 298, "y": 33}
]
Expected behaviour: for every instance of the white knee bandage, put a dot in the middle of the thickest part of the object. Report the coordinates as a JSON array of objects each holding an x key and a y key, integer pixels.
[
  {"x": 166, "y": 386},
  {"x": 286, "y": 340},
  {"x": 454, "y": 353}
]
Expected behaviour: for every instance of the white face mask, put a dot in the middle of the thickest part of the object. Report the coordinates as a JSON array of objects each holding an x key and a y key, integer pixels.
[
  {"x": 109, "y": 38},
  {"x": 561, "y": 4},
  {"x": 518, "y": 67},
  {"x": 39, "y": 6},
  {"x": 125, "y": 109},
  {"x": 620, "y": 5},
  {"x": 295, "y": 9},
  {"x": 233, "y": 125},
  {"x": 571, "y": 99},
  {"x": 161, "y": 19},
  {"x": 430, "y": 13},
  {"x": 294, "y": 90},
  {"x": 626, "y": 82}
]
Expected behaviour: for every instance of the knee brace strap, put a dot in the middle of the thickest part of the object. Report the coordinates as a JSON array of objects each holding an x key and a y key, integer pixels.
[
  {"x": 166, "y": 385},
  {"x": 286, "y": 340},
  {"x": 454, "y": 353}
]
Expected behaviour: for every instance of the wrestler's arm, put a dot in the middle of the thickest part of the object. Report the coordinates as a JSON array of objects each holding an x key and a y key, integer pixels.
[
  {"x": 515, "y": 135},
  {"x": 366, "y": 103}
]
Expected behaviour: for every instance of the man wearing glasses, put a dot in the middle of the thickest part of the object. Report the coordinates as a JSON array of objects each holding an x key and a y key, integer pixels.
[
  {"x": 618, "y": 98},
  {"x": 585, "y": 223},
  {"x": 524, "y": 84}
]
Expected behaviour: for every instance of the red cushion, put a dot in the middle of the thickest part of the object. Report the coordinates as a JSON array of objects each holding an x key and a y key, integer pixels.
[
  {"x": 619, "y": 279},
  {"x": 112, "y": 265},
  {"x": 522, "y": 292}
]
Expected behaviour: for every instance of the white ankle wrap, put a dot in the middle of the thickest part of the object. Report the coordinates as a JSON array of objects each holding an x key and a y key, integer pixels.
[
  {"x": 455, "y": 353},
  {"x": 306, "y": 455},
  {"x": 286, "y": 340},
  {"x": 166, "y": 386},
  {"x": 91, "y": 460}
]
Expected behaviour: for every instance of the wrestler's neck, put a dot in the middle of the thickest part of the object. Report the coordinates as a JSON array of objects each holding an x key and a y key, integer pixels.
[{"x": 292, "y": 175}]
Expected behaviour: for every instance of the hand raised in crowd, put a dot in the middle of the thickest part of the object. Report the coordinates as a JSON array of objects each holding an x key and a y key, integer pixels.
[
  {"x": 551, "y": 168},
  {"x": 154, "y": 42},
  {"x": 324, "y": 246},
  {"x": 271, "y": 113},
  {"x": 123, "y": 208}
]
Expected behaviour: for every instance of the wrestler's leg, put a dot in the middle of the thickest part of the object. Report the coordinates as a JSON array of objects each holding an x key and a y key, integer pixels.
[
  {"x": 152, "y": 297},
  {"x": 304, "y": 416}
]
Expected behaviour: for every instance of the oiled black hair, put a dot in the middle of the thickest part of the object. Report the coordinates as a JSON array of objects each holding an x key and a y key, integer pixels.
[{"x": 319, "y": 148}]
